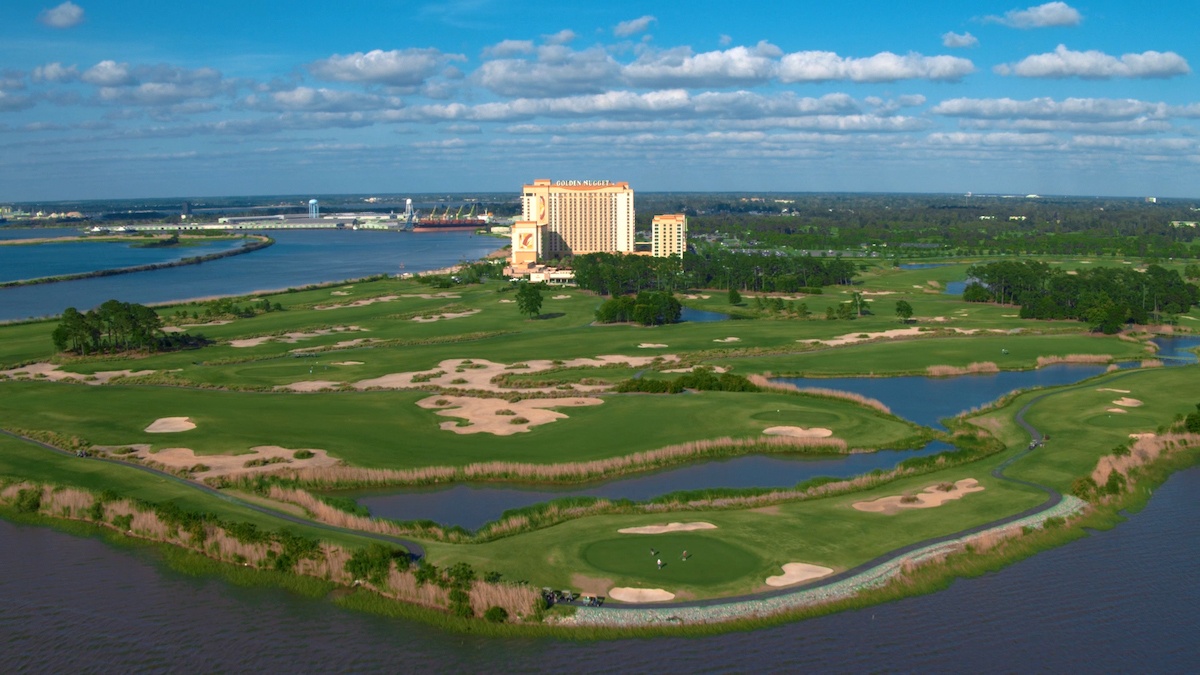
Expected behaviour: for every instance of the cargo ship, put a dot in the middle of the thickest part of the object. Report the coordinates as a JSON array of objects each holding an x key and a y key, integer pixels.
[{"x": 440, "y": 222}]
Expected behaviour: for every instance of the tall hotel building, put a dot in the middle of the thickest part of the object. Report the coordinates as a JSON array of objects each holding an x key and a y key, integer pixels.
[
  {"x": 668, "y": 235},
  {"x": 566, "y": 218}
]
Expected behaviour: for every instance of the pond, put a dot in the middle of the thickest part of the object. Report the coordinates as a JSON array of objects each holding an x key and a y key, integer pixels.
[{"x": 701, "y": 315}]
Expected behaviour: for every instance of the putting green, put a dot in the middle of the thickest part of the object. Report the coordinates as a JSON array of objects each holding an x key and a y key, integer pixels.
[{"x": 710, "y": 560}]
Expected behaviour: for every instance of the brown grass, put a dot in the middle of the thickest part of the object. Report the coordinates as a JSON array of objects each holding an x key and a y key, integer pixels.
[
  {"x": 1143, "y": 451},
  {"x": 1151, "y": 363},
  {"x": 517, "y": 600},
  {"x": 1074, "y": 358},
  {"x": 764, "y": 383},
  {"x": 970, "y": 368}
]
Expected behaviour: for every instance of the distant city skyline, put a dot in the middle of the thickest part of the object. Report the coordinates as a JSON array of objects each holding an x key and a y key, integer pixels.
[{"x": 126, "y": 99}]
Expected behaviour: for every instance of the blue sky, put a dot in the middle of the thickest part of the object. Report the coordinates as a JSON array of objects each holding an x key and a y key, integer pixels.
[{"x": 139, "y": 98}]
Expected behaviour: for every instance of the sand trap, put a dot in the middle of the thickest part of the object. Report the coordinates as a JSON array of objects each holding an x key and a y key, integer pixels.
[
  {"x": 669, "y": 527},
  {"x": 640, "y": 594},
  {"x": 1115, "y": 391},
  {"x": 728, "y": 339},
  {"x": 309, "y": 386},
  {"x": 798, "y": 432},
  {"x": 51, "y": 372},
  {"x": 1117, "y": 410},
  {"x": 560, "y": 297},
  {"x": 795, "y": 573},
  {"x": 482, "y": 415},
  {"x": 876, "y": 293},
  {"x": 715, "y": 369},
  {"x": 651, "y": 345},
  {"x": 361, "y": 303},
  {"x": 291, "y": 338},
  {"x": 339, "y": 292},
  {"x": 852, "y": 338},
  {"x": 927, "y": 499},
  {"x": 1148, "y": 434},
  {"x": 918, "y": 286},
  {"x": 170, "y": 425},
  {"x": 433, "y": 296},
  {"x": 477, "y": 374},
  {"x": 1126, "y": 402},
  {"x": 448, "y": 315},
  {"x": 506, "y": 301},
  {"x": 348, "y": 363},
  {"x": 176, "y": 459}
]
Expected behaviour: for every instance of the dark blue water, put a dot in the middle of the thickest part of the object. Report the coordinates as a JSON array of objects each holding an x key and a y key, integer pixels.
[
  {"x": 37, "y": 233},
  {"x": 297, "y": 258},
  {"x": 55, "y": 259},
  {"x": 472, "y": 505},
  {"x": 701, "y": 315},
  {"x": 955, "y": 287},
  {"x": 927, "y": 400},
  {"x": 1125, "y": 600}
]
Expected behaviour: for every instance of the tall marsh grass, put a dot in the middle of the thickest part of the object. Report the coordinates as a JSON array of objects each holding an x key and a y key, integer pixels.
[
  {"x": 1043, "y": 361},
  {"x": 969, "y": 369},
  {"x": 821, "y": 392}
]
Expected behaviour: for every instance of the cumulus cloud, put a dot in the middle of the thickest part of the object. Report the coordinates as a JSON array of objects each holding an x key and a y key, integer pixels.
[
  {"x": 956, "y": 41},
  {"x": 153, "y": 85},
  {"x": 65, "y": 15},
  {"x": 508, "y": 48},
  {"x": 10, "y": 102},
  {"x": 108, "y": 74},
  {"x": 398, "y": 67},
  {"x": 1042, "y": 16},
  {"x": 816, "y": 66},
  {"x": 680, "y": 67},
  {"x": 557, "y": 70},
  {"x": 319, "y": 100},
  {"x": 55, "y": 72},
  {"x": 634, "y": 26},
  {"x": 1096, "y": 65},
  {"x": 1077, "y": 109},
  {"x": 562, "y": 37}
]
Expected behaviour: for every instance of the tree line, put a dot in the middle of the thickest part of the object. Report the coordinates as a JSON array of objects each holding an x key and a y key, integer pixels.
[
  {"x": 117, "y": 326},
  {"x": 1105, "y": 297}
]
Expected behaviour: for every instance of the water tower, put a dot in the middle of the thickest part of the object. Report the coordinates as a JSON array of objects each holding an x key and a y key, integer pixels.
[{"x": 314, "y": 209}]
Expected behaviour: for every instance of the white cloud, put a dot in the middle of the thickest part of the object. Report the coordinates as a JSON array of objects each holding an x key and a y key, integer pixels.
[
  {"x": 65, "y": 15},
  {"x": 400, "y": 68},
  {"x": 10, "y": 102},
  {"x": 1041, "y": 16},
  {"x": 319, "y": 100},
  {"x": 815, "y": 66},
  {"x": 956, "y": 41},
  {"x": 508, "y": 48},
  {"x": 558, "y": 70},
  {"x": 108, "y": 74},
  {"x": 679, "y": 67},
  {"x": 1138, "y": 126},
  {"x": 633, "y": 26},
  {"x": 1076, "y": 109},
  {"x": 562, "y": 37},
  {"x": 55, "y": 72},
  {"x": 1093, "y": 65},
  {"x": 724, "y": 40}
]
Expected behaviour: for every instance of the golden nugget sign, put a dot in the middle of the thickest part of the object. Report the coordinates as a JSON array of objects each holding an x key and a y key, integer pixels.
[{"x": 583, "y": 183}]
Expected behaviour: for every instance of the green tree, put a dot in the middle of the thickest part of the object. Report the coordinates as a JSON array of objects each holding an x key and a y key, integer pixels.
[
  {"x": 735, "y": 298},
  {"x": 529, "y": 299},
  {"x": 904, "y": 310}
]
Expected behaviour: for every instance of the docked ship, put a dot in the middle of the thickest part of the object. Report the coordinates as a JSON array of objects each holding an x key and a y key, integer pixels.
[{"x": 440, "y": 222}]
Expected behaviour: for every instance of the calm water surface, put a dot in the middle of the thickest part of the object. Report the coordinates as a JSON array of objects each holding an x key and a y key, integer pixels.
[
  {"x": 297, "y": 258},
  {"x": 1125, "y": 600},
  {"x": 54, "y": 259}
]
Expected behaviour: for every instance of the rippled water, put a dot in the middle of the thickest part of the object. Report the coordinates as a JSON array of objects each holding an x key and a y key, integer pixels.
[
  {"x": 55, "y": 259},
  {"x": 1125, "y": 600}
]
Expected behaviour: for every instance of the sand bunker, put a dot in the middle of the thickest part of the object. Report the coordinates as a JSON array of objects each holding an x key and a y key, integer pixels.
[
  {"x": 560, "y": 297},
  {"x": 669, "y": 527},
  {"x": 798, "y": 432},
  {"x": 715, "y": 369},
  {"x": 339, "y": 292},
  {"x": 851, "y": 338},
  {"x": 879, "y": 292},
  {"x": 477, "y": 374},
  {"x": 797, "y": 572},
  {"x": 507, "y": 301},
  {"x": 1117, "y": 410},
  {"x": 651, "y": 345},
  {"x": 347, "y": 363},
  {"x": 640, "y": 594},
  {"x": 361, "y": 303},
  {"x": 1115, "y": 391},
  {"x": 292, "y": 338},
  {"x": 693, "y": 296},
  {"x": 728, "y": 339},
  {"x": 491, "y": 415},
  {"x": 1148, "y": 434},
  {"x": 433, "y": 296},
  {"x": 272, "y": 457},
  {"x": 929, "y": 498},
  {"x": 309, "y": 386},
  {"x": 51, "y": 372},
  {"x": 447, "y": 315},
  {"x": 1126, "y": 402},
  {"x": 170, "y": 425}
]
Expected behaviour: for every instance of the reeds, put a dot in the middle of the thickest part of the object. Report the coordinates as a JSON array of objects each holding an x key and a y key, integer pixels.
[
  {"x": 517, "y": 600},
  {"x": 969, "y": 369},
  {"x": 1152, "y": 363},
  {"x": 1043, "y": 361},
  {"x": 822, "y": 392}
]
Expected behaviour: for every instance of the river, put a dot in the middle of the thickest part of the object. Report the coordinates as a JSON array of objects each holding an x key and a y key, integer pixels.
[
  {"x": 1120, "y": 600},
  {"x": 298, "y": 258}
]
